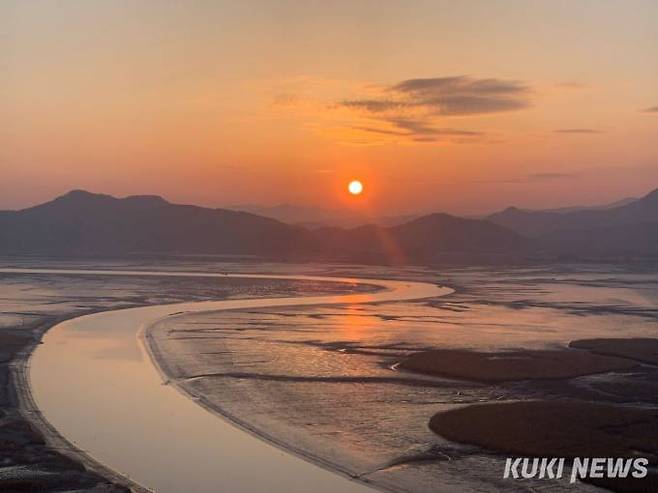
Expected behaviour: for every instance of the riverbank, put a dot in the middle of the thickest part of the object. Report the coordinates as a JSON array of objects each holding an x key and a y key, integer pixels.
[
  {"x": 186, "y": 434},
  {"x": 35, "y": 457}
]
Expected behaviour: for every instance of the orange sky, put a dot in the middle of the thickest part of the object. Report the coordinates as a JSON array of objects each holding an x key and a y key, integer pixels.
[{"x": 454, "y": 106}]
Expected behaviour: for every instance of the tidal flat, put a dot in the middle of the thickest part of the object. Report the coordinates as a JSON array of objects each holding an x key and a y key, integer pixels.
[
  {"x": 35, "y": 457},
  {"x": 327, "y": 382}
]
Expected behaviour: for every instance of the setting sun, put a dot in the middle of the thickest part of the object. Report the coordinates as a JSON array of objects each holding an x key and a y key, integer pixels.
[{"x": 355, "y": 187}]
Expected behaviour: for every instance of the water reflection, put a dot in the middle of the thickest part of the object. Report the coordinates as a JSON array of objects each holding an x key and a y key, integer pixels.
[
  {"x": 94, "y": 383},
  {"x": 320, "y": 378}
]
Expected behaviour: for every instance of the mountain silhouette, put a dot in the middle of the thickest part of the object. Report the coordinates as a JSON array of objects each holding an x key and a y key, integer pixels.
[
  {"x": 426, "y": 239},
  {"x": 629, "y": 230},
  {"x": 538, "y": 223},
  {"x": 315, "y": 217},
  {"x": 84, "y": 223}
]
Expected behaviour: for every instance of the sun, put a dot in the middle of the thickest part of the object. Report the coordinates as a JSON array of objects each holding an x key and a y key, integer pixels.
[{"x": 355, "y": 187}]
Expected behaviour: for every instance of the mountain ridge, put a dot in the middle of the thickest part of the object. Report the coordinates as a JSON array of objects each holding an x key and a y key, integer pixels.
[
  {"x": 539, "y": 223},
  {"x": 85, "y": 223},
  {"x": 81, "y": 222}
]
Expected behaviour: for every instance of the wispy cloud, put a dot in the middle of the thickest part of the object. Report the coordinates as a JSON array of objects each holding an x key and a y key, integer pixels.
[
  {"x": 447, "y": 96},
  {"x": 463, "y": 95},
  {"x": 412, "y": 110},
  {"x": 375, "y": 105},
  {"x": 532, "y": 177},
  {"x": 651, "y": 109},
  {"x": 550, "y": 176},
  {"x": 572, "y": 85},
  {"x": 415, "y": 108},
  {"x": 577, "y": 131}
]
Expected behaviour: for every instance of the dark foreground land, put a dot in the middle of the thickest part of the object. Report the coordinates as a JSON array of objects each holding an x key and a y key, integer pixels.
[
  {"x": 512, "y": 365},
  {"x": 560, "y": 427},
  {"x": 27, "y": 462}
]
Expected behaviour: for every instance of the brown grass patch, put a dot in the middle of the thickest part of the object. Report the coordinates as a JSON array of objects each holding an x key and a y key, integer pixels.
[{"x": 512, "y": 365}]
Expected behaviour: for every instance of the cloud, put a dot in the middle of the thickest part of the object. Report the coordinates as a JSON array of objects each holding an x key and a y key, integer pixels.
[
  {"x": 374, "y": 105},
  {"x": 448, "y": 96},
  {"x": 412, "y": 110},
  {"x": 571, "y": 85},
  {"x": 419, "y": 127},
  {"x": 651, "y": 109},
  {"x": 383, "y": 131},
  {"x": 416, "y": 108},
  {"x": 577, "y": 131},
  {"x": 550, "y": 176},
  {"x": 464, "y": 95},
  {"x": 419, "y": 131}
]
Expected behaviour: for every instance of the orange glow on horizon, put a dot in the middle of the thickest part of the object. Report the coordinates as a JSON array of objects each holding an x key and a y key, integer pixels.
[{"x": 535, "y": 123}]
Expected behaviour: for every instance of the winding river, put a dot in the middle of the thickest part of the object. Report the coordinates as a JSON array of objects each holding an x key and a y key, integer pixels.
[{"x": 95, "y": 382}]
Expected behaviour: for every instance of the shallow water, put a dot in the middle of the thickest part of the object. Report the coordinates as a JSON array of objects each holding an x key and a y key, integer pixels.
[
  {"x": 320, "y": 378},
  {"x": 94, "y": 383},
  {"x": 372, "y": 423}
]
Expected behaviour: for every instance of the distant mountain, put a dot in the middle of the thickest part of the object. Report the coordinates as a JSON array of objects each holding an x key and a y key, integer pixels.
[
  {"x": 626, "y": 230},
  {"x": 81, "y": 223},
  {"x": 316, "y": 217},
  {"x": 425, "y": 235},
  {"x": 303, "y": 215},
  {"x": 539, "y": 223},
  {"x": 626, "y": 241},
  {"x": 84, "y": 223},
  {"x": 629, "y": 230},
  {"x": 575, "y": 208},
  {"x": 428, "y": 239}
]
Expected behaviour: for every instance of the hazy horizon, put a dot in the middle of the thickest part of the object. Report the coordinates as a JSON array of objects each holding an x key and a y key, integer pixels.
[
  {"x": 435, "y": 106},
  {"x": 345, "y": 210}
]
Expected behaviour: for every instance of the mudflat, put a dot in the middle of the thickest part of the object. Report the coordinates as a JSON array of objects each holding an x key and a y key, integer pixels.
[
  {"x": 560, "y": 428},
  {"x": 491, "y": 367},
  {"x": 292, "y": 371},
  {"x": 33, "y": 457},
  {"x": 640, "y": 349}
]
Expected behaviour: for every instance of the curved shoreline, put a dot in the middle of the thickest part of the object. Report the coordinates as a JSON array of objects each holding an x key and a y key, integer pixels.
[
  {"x": 394, "y": 291},
  {"x": 159, "y": 362},
  {"x": 27, "y": 406}
]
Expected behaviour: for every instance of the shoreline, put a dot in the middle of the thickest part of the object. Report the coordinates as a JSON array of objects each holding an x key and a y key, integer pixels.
[
  {"x": 149, "y": 344},
  {"x": 57, "y": 441},
  {"x": 21, "y": 402},
  {"x": 19, "y": 368}
]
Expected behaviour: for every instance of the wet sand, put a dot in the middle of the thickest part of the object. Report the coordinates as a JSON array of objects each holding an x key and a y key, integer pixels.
[
  {"x": 291, "y": 371},
  {"x": 99, "y": 355},
  {"x": 33, "y": 455},
  {"x": 320, "y": 379}
]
